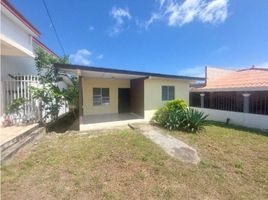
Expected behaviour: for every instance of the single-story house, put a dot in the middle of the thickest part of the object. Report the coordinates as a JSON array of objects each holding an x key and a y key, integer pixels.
[{"x": 113, "y": 94}]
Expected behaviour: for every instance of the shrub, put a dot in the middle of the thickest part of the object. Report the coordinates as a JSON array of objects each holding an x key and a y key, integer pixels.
[
  {"x": 176, "y": 116},
  {"x": 177, "y": 104},
  {"x": 194, "y": 120},
  {"x": 15, "y": 105},
  {"x": 170, "y": 116}
]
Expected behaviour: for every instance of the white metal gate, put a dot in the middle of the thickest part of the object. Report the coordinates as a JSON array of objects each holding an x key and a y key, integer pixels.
[{"x": 19, "y": 87}]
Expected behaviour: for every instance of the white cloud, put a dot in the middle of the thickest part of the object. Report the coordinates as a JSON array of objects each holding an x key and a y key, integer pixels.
[
  {"x": 120, "y": 15},
  {"x": 177, "y": 13},
  {"x": 197, "y": 71},
  {"x": 181, "y": 14},
  {"x": 215, "y": 11},
  {"x": 145, "y": 24},
  {"x": 101, "y": 56},
  {"x": 81, "y": 57}
]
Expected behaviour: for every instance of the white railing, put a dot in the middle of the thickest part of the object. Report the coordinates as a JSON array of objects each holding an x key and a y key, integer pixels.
[{"x": 19, "y": 87}]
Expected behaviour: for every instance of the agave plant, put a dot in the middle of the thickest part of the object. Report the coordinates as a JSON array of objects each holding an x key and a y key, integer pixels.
[
  {"x": 174, "y": 120},
  {"x": 194, "y": 120}
]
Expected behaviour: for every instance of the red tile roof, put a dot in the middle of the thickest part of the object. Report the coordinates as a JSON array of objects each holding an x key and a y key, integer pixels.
[{"x": 242, "y": 79}]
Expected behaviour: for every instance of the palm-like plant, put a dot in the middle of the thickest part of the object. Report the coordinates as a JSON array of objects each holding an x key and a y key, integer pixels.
[{"x": 194, "y": 120}]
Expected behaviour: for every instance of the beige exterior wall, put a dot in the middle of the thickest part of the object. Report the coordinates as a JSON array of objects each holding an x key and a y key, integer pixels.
[
  {"x": 112, "y": 84},
  {"x": 153, "y": 93}
]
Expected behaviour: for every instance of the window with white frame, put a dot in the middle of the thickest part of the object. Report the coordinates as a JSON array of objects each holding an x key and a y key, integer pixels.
[
  {"x": 101, "y": 96},
  {"x": 168, "y": 93}
]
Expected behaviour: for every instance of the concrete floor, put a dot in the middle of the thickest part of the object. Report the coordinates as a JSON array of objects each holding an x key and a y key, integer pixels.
[
  {"x": 108, "y": 121},
  {"x": 93, "y": 119}
]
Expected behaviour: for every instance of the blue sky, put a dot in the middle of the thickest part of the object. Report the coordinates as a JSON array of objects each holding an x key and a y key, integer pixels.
[{"x": 165, "y": 36}]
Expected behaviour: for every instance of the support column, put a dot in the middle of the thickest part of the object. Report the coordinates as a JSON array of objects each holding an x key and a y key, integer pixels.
[
  {"x": 246, "y": 102},
  {"x": 202, "y": 100}
]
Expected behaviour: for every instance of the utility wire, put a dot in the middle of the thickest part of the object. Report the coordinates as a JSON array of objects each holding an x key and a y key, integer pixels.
[{"x": 54, "y": 28}]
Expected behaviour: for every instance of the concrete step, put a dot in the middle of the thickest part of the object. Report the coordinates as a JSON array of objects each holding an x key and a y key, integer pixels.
[
  {"x": 11, "y": 148},
  {"x": 18, "y": 138}
]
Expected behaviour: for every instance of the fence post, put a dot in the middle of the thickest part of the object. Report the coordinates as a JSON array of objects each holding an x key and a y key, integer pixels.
[
  {"x": 246, "y": 102},
  {"x": 202, "y": 95}
]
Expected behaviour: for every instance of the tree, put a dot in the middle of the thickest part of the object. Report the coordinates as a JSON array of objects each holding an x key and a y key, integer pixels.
[
  {"x": 71, "y": 94},
  {"x": 48, "y": 91}
]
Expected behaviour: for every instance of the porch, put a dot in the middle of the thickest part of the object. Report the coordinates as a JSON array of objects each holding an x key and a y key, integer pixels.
[{"x": 106, "y": 121}]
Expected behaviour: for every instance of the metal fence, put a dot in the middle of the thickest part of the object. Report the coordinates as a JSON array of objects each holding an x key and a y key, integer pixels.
[
  {"x": 19, "y": 87},
  {"x": 232, "y": 101}
]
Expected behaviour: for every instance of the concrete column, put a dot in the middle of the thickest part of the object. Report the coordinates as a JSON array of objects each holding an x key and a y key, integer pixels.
[
  {"x": 202, "y": 100},
  {"x": 246, "y": 102}
]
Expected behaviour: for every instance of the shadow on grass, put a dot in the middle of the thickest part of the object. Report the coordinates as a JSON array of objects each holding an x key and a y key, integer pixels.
[
  {"x": 237, "y": 127},
  {"x": 67, "y": 123}
]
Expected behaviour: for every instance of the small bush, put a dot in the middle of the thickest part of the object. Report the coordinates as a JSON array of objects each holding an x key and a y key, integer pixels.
[
  {"x": 177, "y": 104},
  {"x": 15, "y": 105},
  {"x": 170, "y": 116},
  {"x": 176, "y": 116}
]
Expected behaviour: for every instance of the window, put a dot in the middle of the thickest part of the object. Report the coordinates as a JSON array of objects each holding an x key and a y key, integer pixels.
[
  {"x": 101, "y": 96},
  {"x": 168, "y": 93}
]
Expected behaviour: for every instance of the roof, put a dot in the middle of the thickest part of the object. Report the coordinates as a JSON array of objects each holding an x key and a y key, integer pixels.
[
  {"x": 19, "y": 16},
  {"x": 81, "y": 69},
  {"x": 246, "y": 80},
  {"x": 40, "y": 44}
]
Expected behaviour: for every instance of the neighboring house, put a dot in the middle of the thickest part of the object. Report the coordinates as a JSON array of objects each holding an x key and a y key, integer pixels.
[
  {"x": 18, "y": 42},
  {"x": 112, "y": 94},
  {"x": 240, "y": 97}
]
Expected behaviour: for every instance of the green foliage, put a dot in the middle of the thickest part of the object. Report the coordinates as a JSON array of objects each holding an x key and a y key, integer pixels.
[
  {"x": 71, "y": 94},
  {"x": 177, "y": 104},
  {"x": 194, "y": 120},
  {"x": 48, "y": 92},
  {"x": 15, "y": 105},
  {"x": 170, "y": 116},
  {"x": 176, "y": 116}
]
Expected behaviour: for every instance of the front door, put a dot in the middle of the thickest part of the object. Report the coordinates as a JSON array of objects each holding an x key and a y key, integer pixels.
[{"x": 123, "y": 100}]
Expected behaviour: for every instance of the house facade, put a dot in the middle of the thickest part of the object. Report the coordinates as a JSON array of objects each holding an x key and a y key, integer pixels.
[
  {"x": 17, "y": 70},
  {"x": 112, "y": 94}
]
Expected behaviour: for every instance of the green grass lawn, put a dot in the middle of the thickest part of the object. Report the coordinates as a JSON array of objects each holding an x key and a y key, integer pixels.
[{"x": 125, "y": 165}]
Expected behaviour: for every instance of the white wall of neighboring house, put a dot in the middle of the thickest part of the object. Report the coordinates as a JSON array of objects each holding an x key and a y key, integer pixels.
[
  {"x": 238, "y": 118},
  {"x": 17, "y": 54},
  {"x": 13, "y": 32},
  {"x": 16, "y": 65}
]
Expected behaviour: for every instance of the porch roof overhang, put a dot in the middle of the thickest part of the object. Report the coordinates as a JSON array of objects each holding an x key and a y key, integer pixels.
[
  {"x": 11, "y": 48},
  {"x": 99, "y": 72}
]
